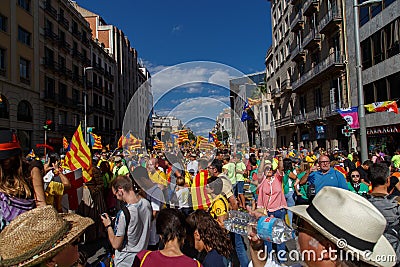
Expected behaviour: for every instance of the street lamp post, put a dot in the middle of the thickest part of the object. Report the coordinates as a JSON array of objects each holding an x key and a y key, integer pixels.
[
  {"x": 85, "y": 101},
  {"x": 360, "y": 91}
]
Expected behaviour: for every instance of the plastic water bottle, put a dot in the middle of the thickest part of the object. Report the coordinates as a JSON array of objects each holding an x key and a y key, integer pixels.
[{"x": 267, "y": 228}]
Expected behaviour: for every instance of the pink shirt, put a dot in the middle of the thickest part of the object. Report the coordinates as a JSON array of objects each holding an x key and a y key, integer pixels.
[{"x": 270, "y": 194}]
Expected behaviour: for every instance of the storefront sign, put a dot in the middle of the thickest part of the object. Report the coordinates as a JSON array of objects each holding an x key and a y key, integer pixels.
[{"x": 384, "y": 130}]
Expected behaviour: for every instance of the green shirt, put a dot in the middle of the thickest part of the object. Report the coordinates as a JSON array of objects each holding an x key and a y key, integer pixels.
[
  {"x": 302, "y": 188},
  {"x": 396, "y": 161},
  {"x": 363, "y": 188},
  {"x": 240, "y": 167},
  {"x": 231, "y": 172}
]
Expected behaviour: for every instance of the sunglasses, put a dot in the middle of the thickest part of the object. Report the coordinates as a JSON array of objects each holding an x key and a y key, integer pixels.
[{"x": 355, "y": 175}]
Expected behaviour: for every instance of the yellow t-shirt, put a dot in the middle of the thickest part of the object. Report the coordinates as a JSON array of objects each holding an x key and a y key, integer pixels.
[
  {"x": 159, "y": 177},
  {"x": 52, "y": 190},
  {"x": 219, "y": 207}
]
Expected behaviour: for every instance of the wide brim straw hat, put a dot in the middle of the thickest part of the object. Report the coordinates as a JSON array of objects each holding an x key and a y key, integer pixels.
[
  {"x": 355, "y": 225},
  {"x": 39, "y": 234}
]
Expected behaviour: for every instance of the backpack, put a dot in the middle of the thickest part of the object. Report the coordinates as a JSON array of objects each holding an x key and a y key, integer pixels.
[
  {"x": 390, "y": 209},
  {"x": 127, "y": 221}
]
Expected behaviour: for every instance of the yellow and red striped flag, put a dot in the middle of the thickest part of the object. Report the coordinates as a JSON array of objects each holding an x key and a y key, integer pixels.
[
  {"x": 199, "y": 140},
  {"x": 79, "y": 155},
  {"x": 96, "y": 141},
  {"x": 65, "y": 143},
  {"x": 183, "y": 136},
  {"x": 200, "y": 198},
  {"x": 389, "y": 106},
  {"x": 158, "y": 144}
]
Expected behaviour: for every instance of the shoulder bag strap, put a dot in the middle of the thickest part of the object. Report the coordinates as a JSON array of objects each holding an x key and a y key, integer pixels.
[{"x": 144, "y": 257}]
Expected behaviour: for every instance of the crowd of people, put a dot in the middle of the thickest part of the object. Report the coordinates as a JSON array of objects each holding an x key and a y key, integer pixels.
[{"x": 169, "y": 207}]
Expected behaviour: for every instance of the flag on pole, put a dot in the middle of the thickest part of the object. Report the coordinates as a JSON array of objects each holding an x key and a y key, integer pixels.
[
  {"x": 65, "y": 143},
  {"x": 212, "y": 138},
  {"x": 245, "y": 115},
  {"x": 199, "y": 140},
  {"x": 350, "y": 115},
  {"x": 389, "y": 106},
  {"x": 79, "y": 155},
  {"x": 254, "y": 102},
  {"x": 183, "y": 136},
  {"x": 95, "y": 141},
  {"x": 157, "y": 144}
]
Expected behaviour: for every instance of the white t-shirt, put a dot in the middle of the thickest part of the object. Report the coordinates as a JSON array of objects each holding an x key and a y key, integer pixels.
[
  {"x": 156, "y": 198},
  {"x": 193, "y": 165},
  {"x": 182, "y": 195}
]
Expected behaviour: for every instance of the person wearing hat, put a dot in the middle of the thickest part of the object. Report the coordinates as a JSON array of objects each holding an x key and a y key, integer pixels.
[
  {"x": 42, "y": 237},
  {"x": 330, "y": 234},
  {"x": 119, "y": 168},
  {"x": 21, "y": 185}
]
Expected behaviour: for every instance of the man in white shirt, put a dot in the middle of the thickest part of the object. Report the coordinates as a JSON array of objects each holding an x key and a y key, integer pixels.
[{"x": 193, "y": 163}]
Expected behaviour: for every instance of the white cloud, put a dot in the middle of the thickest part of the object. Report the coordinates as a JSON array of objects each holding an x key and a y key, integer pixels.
[{"x": 177, "y": 28}]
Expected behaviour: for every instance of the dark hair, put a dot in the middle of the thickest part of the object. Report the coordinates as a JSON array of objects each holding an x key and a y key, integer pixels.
[
  {"x": 368, "y": 163},
  {"x": 123, "y": 182},
  {"x": 253, "y": 160},
  {"x": 53, "y": 158},
  {"x": 171, "y": 224},
  {"x": 287, "y": 165},
  {"x": 180, "y": 181},
  {"x": 215, "y": 183},
  {"x": 211, "y": 233},
  {"x": 217, "y": 164},
  {"x": 379, "y": 173},
  {"x": 349, "y": 178}
]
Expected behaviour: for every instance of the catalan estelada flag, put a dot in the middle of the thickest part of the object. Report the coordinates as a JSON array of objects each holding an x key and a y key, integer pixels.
[
  {"x": 65, "y": 143},
  {"x": 183, "y": 136},
  {"x": 158, "y": 145},
  {"x": 199, "y": 140},
  {"x": 79, "y": 155},
  {"x": 212, "y": 138},
  {"x": 95, "y": 141},
  {"x": 389, "y": 106},
  {"x": 200, "y": 198},
  {"x": 31, "y": 154}
]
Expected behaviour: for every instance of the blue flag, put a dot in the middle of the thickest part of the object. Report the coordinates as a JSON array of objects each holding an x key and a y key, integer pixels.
[{"x": 245, "y": 115}]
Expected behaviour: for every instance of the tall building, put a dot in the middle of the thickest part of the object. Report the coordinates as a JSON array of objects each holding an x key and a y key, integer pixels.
[
  {"x": 318, "y": 47},
  {"x": 247, "y": 132},
  {"x": 379, "y": 35},
  {"x": 278, "y": 75},
  {"x": 129, "y": 73},
  {"x": 19, "y": 82}
]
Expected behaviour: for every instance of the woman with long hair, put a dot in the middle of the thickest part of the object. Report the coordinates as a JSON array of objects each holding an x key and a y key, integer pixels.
[
  {"x": 171, "y": 226},
  {"x": 208, "y": 236},
  {"x": 21, "y": 186}
]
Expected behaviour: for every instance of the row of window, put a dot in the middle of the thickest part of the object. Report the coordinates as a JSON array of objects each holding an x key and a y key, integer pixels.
[
  {"x": 24, "y": 111},
  {"x": 382, "y": 45},
  {"x": 24, "y": 67},
  {"x": 383, "y": 89},
  {"x": 367, "y": 13}
]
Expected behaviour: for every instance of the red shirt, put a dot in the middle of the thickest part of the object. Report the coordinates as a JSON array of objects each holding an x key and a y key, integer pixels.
[{"x": 155, "y": 258}]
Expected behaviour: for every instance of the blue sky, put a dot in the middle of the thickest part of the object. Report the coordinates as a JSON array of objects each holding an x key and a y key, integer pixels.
[{"x": 165, "y": 33}]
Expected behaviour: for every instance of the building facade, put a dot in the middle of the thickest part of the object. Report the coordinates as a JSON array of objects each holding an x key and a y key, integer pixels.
[
  {"x": 319, "y": 78},
  {"x": 19, "y": 83},
  {"x": 130, "y": 75},
  {"x": 279, "y": 69},
  {"x": 249, "y": 132},
  {"x": 380, "y": 49}
]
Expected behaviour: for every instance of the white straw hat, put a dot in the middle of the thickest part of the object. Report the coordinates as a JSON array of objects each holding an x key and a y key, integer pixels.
[{"x": 351, "y": 222}]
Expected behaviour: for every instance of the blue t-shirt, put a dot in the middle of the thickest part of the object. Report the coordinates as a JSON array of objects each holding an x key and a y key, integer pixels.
[
  {"x": 213, "y": 259},
  {"x": 331, "y": 178}
]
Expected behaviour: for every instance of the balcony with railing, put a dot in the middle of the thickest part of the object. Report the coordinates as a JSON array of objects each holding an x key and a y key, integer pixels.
[
  {"x": 297, "y": 52},
  {"x": 310, "y": 6},
  {"x": 296, "y": 21},
  {"x": 276, "y": 93},
  {"x": 313, "y": 115},
  {"x": 286, "y": 85},
  {"x": 333, "y": 64},
  {"x": 76, "y": 33},
  {"x": 330, "y": 110},
  {"x": 331, "y": 21},
  {"x": 49, "y": 63},
  {"x": 63, "y": 70},
  {"x": 50, "y": 35},
  {"x": 97, "y": 87},
  {"x": 98, "y": 67},
  {"x": 50, "y": 10},
  {"x": 284, "y": 122},
  {"x": 63, "y": 21},
  {"x": 63, "y": 44},
  {"x": 312, "y": 40}
]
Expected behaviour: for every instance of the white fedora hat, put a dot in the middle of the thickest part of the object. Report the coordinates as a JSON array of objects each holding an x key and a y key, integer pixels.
[{"x": 351, "y": 222}]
